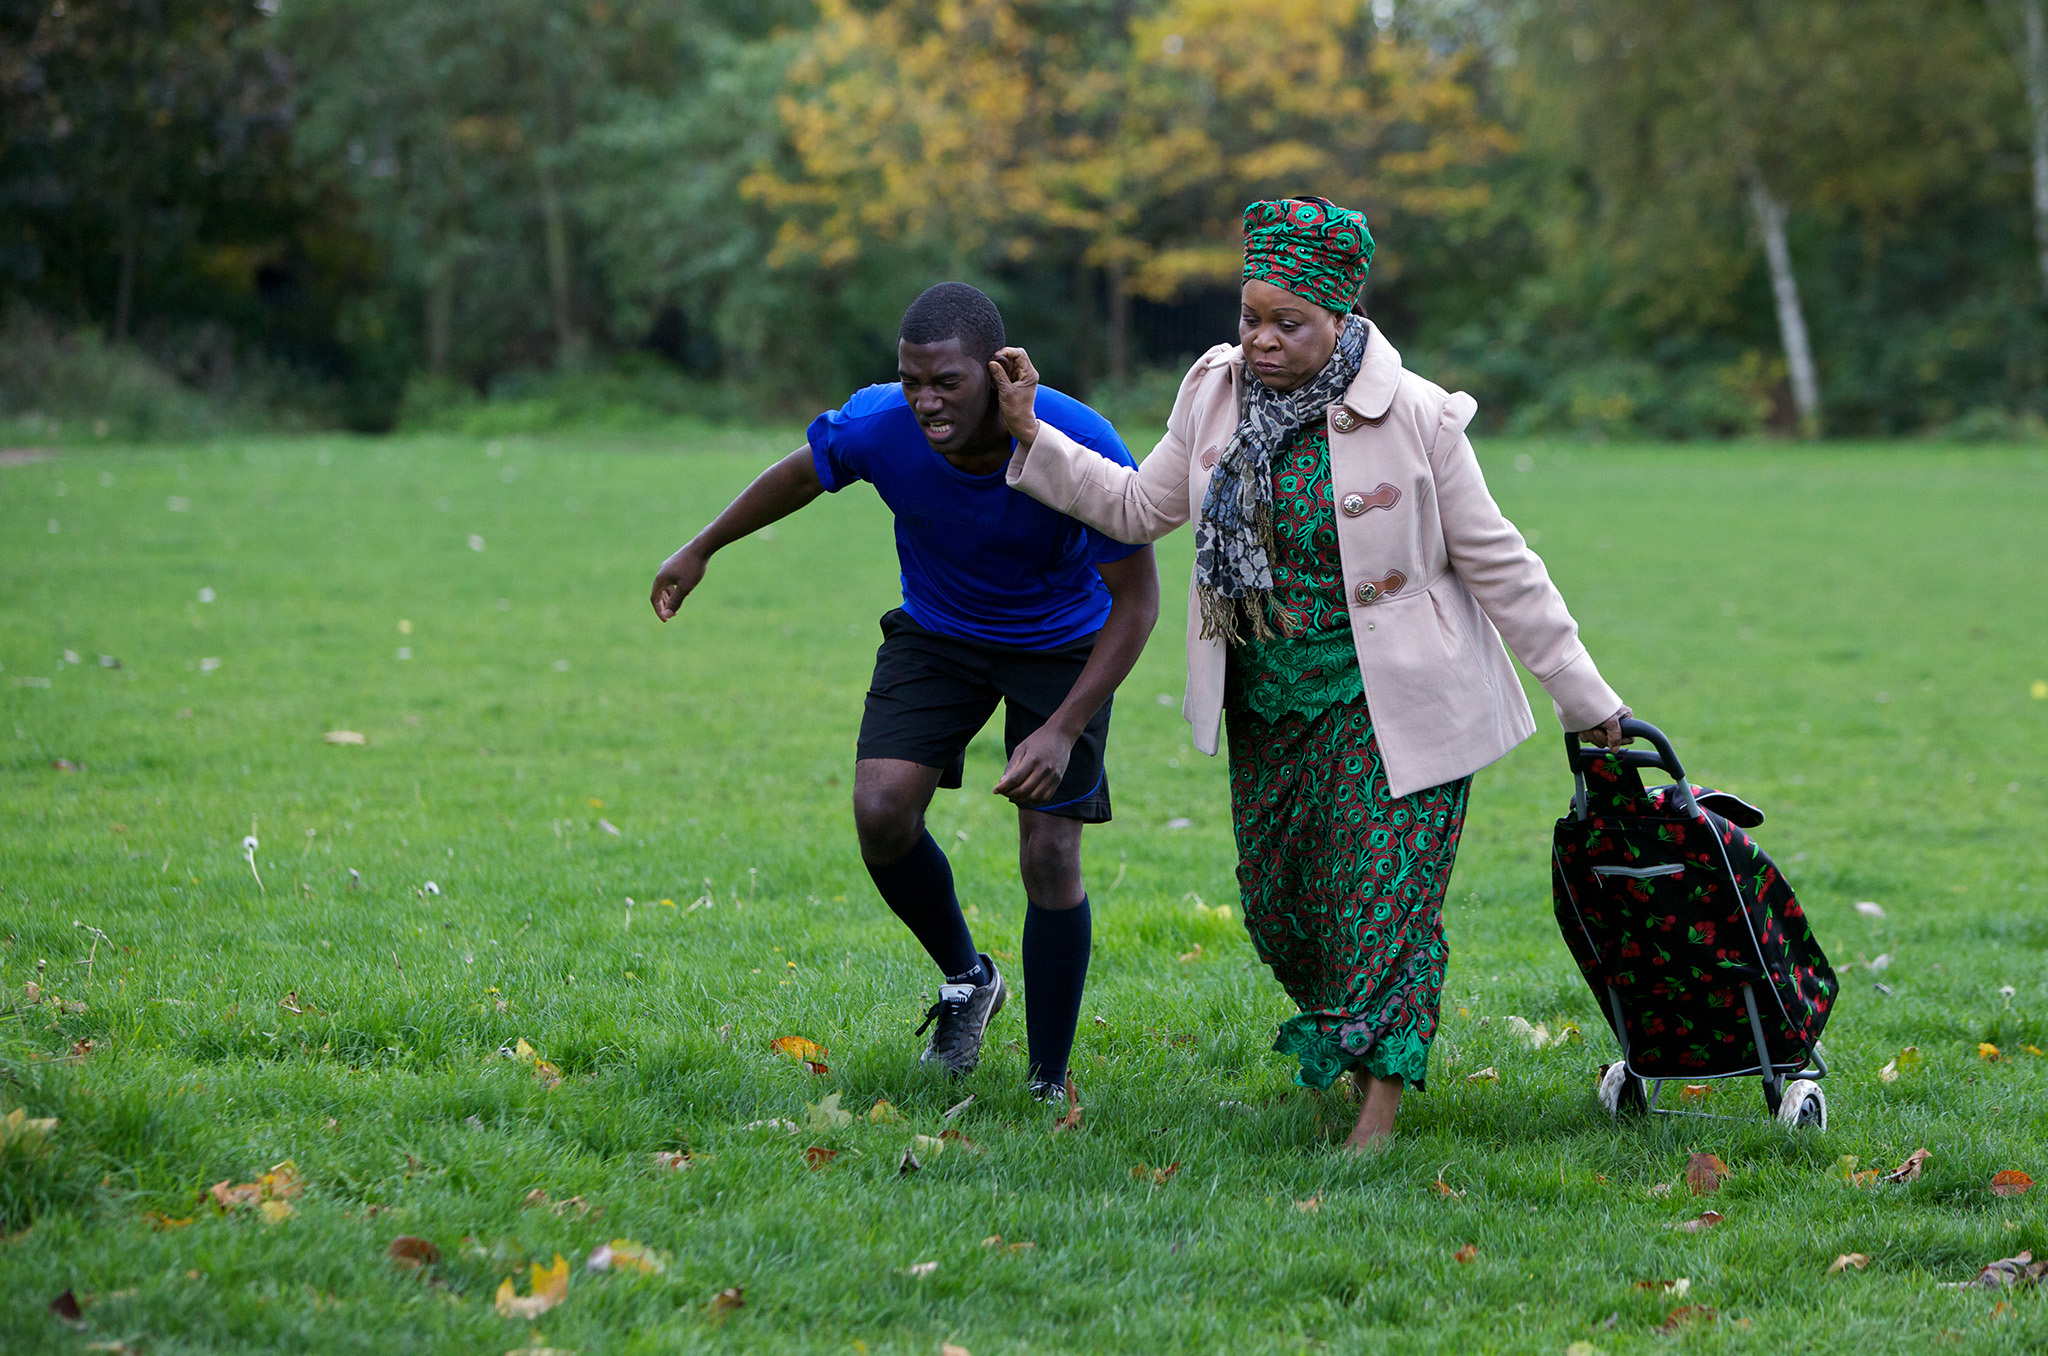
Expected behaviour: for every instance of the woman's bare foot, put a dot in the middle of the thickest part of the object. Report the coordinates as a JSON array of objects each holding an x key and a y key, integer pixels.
[{"x": 1382, "y": 1098}]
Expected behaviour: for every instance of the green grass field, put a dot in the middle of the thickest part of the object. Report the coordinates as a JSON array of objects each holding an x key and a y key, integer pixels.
[{"x": 1851, "y": 637}]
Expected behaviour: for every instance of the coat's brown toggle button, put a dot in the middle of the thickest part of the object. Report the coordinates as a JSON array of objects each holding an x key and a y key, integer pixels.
[
  {"x": 1386, "y": 496},
  {"x": 1375, "y": 589},
  {"x": 1342, "y": 420}
]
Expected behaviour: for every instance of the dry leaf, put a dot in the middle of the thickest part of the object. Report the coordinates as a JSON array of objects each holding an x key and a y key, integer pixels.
[
  {"x": 881, "y": 1113},
  {"x": 282, "y": 1182},
  {"x": 953, "y": 1349},
  {"x": 1468, "y": 1253},
  {"x": 1535, "y": 1036},
  {"x": 1072, "y": 1120},
  {"x": 81, "y": 1050},
  {"x": 1858, "y": 1260},
  {"x": 533, "y": 1198},
  {"x": 1442, "y": 1189},
  {"x": 929, "y": 1145},
  {"x": 1158, "y": 1175},
  {"x": 1489, "y": 1074},
  {"x": 1685, "y": 1314},
  {"x": 964, "y": 1144},
  {"x": 17, "y": 1127},
  {"x": 550, "y": 1286},
  {"x": 1704, "y": 1174},
  {"x": 1909, "y": 1170},
  {"x": 165, "y": 1222},
  {"x": 817, "y": 1156},
  {"x": 1677, "y": 1289},
  {"x": 412, "y": 1253},
  {"x": 546, "y": 1074},
  {"x": 2011, "y": 1182},
  {"x": 727, "y": 1300},
  {"x": 1695, "y": 1092},
  {"x": 1659, "y": 1189},
  {"x": 1889, "y": 1073},
  {"x": 798, "y": 1047},
  {"x": 1309, "y": 1206},
  {"x": 275, "y": 1212},
  {"x": 2018, "y": 1270},
  {"x": 344, "y": 737},
  {"x": 920, "y": 1270},
  {"x": 1909, "y": 1059},
  {"x": 1693, "y": 1226},
  {"x": 958, "y": 1107},
  {"x": 1194, "y": 955},
  {"x": 826, "y": 1115},
  {"x": 66, "y": 1307},
  {"x": 907, "y": 1164},
  {"x": 1988, "y": 1052},
  {"x": 674, "y": 1160},
  {"x": 623, "y": 1254},
  {"x": 817, "y": 1067}
]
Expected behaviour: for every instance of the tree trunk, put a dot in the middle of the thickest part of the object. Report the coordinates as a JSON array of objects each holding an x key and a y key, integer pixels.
[
  {"x": 1119, "y": 299},
  {"x": 2032, "y": 54},
  {"x": 555, "y": 226},
  {"x": 1083, "y": 313},
  {"x": 124, "y": 292},
  {"x": 440, "y": 317},
  {"x": 1770, "y": 223}
]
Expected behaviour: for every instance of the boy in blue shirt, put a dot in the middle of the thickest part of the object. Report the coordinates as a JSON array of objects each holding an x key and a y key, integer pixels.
[{"x": 1005, "y": 601}]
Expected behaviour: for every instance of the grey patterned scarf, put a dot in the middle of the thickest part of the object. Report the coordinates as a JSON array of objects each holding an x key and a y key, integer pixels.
[{"x": 1234, "y": 539}]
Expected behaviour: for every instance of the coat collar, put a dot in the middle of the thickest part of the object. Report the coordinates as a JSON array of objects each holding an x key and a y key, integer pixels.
[{"x": 1372, "y": 391}]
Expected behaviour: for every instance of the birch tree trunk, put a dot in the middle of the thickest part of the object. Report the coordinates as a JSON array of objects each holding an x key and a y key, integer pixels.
[
  {"x": 440, "y": 317},
  {"x": 555, "y": 228},
  {"x": 1770, "y": 214}
]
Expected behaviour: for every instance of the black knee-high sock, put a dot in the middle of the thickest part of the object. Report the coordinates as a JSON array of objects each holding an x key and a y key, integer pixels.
[
  {"x": 919, "y": 887},
  {"x": 1055, "y": 970}
]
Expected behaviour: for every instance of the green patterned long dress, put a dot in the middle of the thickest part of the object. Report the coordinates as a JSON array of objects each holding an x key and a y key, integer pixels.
[{"x": 1342, "y": 882}]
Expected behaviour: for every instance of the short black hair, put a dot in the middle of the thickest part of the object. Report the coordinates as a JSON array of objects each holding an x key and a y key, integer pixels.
[{"x": 954, "y": 310}]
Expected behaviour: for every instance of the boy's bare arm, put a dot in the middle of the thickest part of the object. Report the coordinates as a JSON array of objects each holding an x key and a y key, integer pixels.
[{"x": 776, "y": 493}]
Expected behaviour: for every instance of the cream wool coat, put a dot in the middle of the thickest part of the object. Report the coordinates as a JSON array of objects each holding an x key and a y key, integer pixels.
[{"x": 1435, "y": 575}]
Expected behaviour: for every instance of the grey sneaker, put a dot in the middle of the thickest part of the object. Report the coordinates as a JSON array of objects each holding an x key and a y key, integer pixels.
[{"x": 962, "y": 1013}]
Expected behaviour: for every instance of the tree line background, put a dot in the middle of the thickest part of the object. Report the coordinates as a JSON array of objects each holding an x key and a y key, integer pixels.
[{"x": 1689, "y": 218}]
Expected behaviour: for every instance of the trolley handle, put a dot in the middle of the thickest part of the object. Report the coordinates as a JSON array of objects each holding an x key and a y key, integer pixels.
[{"x": 1583, "y": 756}]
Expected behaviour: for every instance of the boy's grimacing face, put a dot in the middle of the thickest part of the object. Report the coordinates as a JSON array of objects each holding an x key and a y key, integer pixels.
[{"x": 948, "y": 391}]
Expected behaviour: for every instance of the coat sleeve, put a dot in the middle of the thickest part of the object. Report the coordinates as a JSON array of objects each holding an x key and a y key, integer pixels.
[
  {"x": 1129, "y": 505},
  {"x": 1510, "y": 580}
]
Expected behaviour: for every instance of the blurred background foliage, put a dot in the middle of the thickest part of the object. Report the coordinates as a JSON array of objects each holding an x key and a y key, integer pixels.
[{"x": 1669, "y": 218}]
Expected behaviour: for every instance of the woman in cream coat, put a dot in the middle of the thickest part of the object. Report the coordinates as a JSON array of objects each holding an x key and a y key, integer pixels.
[{"x": 1353, "y": 584}]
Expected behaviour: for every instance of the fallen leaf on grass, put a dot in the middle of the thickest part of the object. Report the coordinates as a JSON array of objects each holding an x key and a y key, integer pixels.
[
  {"x": 1186, "y": 957},
  {"x": 2018, "y": 1270},
  {"x": 1695, "y": 1092},
  {"x": 1468, "y": 1253},
  {"x": 1582, "y": 1349},
  {"x": 1845, "y": 1168},
  {"x": 920, "y": 1270},
  {"x": 344, "y": 737},
  {"x": 66, "y": 1307},
  {"x": 1658, "y": 1189},
  {"x": 1444, "y": 1189},
  {"x": 1687, "y": 1314},
  {"x": 1489, "y": 1074},
  {"x": 1988, "y": 1052},
  {"x": 18, "y": 1128},
  {"x": 81, "y": 1051},
  {"x": 958, "y": 1107},
  {"x": 2010, "y": 1182},
  {"x": 826, "y": 1114},
  {"x": 623, "y": 1254},
  {"x": 1693, "y": 1226},
  {"x": 1704, "y": 1174},
  {"x": 727, "y": 1300},
  {"x": 298, "y": 1006},
  {"x": 817, "y": 1156},
  {"x": 953, "y": 1349},
  {"x": 907, "y": 1164},
  {"x": 1869, "y": 908},
  {"x": 959, "y": 1141},
  {"x": 1677, "y": 1289},
  {"x": 162, "y": 1222},
  {"x": 881, "y": 1113},
  {"x": 412, "y": 1253},
  {"x": 1072, "y": 1120},
  {"x": 550, "y": 1286},
  {"x": 1858, "y": 1260},
  {"x": 1909, "y": 1171},
  {"x": 1159, "y": 1176},
  {"x": 1309, "y": 1206},
  {"x": 798, "y": 1047},
  {"x": 1538, "y": 1036},
  {"x": 275, "y": 1212},
  {"x": 817, "y": 1067},
  {"x": 674, "y": 1160}
]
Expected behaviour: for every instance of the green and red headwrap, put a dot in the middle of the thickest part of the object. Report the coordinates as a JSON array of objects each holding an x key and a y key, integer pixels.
[{"x": 1310, "y": 247}]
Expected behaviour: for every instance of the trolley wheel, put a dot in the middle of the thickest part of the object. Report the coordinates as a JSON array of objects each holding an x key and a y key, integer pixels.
[
  {"x": 1803, "y": 1106},
  {"x": 1621, "y": 1092}
]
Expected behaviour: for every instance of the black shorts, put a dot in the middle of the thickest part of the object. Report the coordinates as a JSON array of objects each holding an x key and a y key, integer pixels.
[{"x": 932, "y": 694}]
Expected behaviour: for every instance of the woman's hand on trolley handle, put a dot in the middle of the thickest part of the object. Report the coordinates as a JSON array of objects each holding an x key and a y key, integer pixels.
[{"x": 1608, "y": 735}]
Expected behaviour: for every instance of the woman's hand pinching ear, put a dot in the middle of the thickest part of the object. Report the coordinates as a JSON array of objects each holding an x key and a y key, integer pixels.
[{"x": 1016, "y": 383}]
